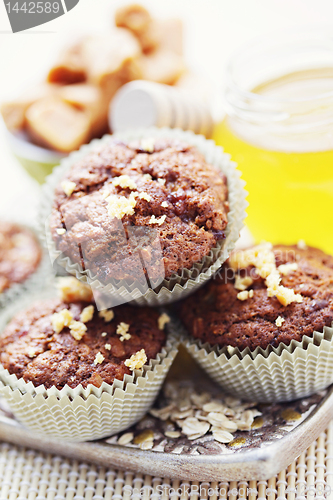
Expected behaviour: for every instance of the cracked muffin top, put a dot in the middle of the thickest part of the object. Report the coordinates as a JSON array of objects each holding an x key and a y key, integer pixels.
[
  {"x": 138, "y": 210},
  {"x": 263, "y": 296},
  {"x": 20, "y": 254},
  {"x": 58, "y": 343}
]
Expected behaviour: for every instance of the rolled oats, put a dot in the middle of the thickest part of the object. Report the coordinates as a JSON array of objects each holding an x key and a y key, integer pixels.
[
  {"x": 125, "y": 438},
  {"x": 172, "y": 434},
  {"x": 196, "y": 414},
  {"x": 194, "y": 428},
  {"x": 222, "y": 436}
]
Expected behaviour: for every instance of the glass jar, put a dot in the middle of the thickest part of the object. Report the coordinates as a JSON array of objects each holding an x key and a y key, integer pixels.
[{"x": 279, "y": 129}]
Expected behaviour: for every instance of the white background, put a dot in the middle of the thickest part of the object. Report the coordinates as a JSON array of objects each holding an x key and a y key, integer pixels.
[{"x": 213, "y": 30}]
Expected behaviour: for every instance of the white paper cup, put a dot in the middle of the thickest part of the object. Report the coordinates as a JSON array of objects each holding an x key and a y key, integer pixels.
[
  {"x": 84, "y": 414},
  {"x": 274, "y": 374},
  {"x": 179, "y": 285}
]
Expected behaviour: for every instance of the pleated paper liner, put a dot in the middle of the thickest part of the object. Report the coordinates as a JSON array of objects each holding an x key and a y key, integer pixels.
[
  {"x": 269, "y": 375},
  {"x": 85, "y": 414},
  {"x": 179, "y": 285},
  {"x": 36, "y": 281}
]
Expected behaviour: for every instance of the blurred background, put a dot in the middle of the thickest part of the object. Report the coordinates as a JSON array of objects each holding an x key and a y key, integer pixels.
[{"x": 213, "y": 30}]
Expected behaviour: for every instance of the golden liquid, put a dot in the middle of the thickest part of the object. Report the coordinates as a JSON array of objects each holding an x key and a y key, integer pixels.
[{"x": 290, "y": 193}]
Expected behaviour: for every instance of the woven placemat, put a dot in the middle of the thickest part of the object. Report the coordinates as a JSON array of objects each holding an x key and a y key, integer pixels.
[{"x": 30, "y": 475}]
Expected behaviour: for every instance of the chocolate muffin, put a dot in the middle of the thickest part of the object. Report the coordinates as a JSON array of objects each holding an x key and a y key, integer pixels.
[
  {"x": 155, "y": 205},
  {"x": 263, "y": 296},
  {"x": 56, "y": 343},
  {"x": 20, "y": 254}
]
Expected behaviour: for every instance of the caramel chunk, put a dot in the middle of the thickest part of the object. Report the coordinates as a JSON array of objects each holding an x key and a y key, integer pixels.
[
  {"x": 110, "y": 59},
  {"x": 14, "y": 112},
  {"x": 171, "y": 34},
  {"x": 56, "y": 125},
  {"x": 90, "y": 99},
  {"x": 151, "y": 33},
  {"x": 162, "y": 66},
  {"x": 71, "y": 66},
  {"x": 137, "y": 19},
  {"x": 134, "y": 17}
]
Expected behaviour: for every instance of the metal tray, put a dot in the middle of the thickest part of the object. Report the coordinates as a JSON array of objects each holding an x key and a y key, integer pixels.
[{"x": 255, "y": 455}]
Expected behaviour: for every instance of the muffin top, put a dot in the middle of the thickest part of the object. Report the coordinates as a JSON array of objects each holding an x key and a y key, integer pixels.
[
  {"x": 263, "y": 296},
  {"x": 20, "y": 254},
  {"x": 55, "y": 343},
  {"x": 148, "y": 208}
]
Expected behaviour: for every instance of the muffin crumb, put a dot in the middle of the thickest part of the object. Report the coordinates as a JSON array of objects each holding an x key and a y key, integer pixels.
[
  {"x": 87, "y": 314},
  {"x": 148, "y": 144},
  {"x": 137, "y": 360},
  {"x": 77, "y": 329},
  {"x": 285, "y": 269},
  {"x": 286, "y": 296},
  {"x": 279, "y": 320},
  {"x": 163, "y": 320},
  {"x": 122, "y": 330},
  {"x": 262, "y": 258},
  {"x": 60, "y": 320},
  {"x": 145, "y": 196},
  {"x": 157, "y": 220},
  {"x": 119, "y": 206},
  {"x": 99, "y": 358},
  {"x": 245, "y": 294},
  {"x": 107, "y": 315},
  {"x": 71, "y": 290},
  {"x": 243, "y": 282},
  {"x": 301, "y": 245},
  {"x": 68, "y": 187},
  {"x": 124, "y": 181}
]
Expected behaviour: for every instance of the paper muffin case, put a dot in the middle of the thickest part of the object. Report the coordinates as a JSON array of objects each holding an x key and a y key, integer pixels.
[
  {"x": 272, "y": 375},
  {"x": 40, "y": 278},
  {"x": 179, "y": 285},
  {"x": 85, "y": 414}
]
